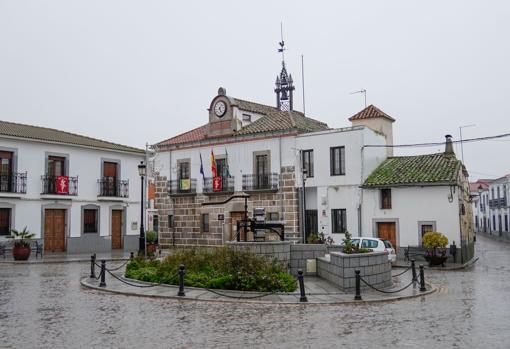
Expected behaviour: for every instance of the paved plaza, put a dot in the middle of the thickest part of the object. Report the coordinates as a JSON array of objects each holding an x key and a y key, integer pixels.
[{"x": 45, "y": 306}]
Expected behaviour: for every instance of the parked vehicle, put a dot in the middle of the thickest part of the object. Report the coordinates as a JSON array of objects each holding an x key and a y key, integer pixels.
[{"x": 376, "y": 245}]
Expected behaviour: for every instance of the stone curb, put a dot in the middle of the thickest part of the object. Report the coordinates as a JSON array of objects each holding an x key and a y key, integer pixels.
[
  {"x": 431, "y": 289},
  {"x": 447, "y": 268},
  {"x": 63, "y": 261}
]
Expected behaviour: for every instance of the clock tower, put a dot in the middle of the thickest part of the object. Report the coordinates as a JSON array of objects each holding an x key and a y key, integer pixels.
[{"x": 221, "y": 116}]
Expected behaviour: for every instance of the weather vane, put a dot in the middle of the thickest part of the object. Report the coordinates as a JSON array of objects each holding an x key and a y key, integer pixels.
[{"x": 282, "y": 43}]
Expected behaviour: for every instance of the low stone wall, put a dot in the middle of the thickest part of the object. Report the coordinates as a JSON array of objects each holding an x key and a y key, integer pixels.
[
  {"x": 339, "y": 268},
  {"x": 271, "y": 249},
  {"x": 300, "y": 253}
]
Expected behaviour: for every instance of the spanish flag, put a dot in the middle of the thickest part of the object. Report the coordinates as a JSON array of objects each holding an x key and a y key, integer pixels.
[{"x": 213, "y": 165}]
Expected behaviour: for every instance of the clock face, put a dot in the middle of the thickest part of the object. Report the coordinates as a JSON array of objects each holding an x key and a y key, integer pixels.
[{"x": 220, "y": 108}]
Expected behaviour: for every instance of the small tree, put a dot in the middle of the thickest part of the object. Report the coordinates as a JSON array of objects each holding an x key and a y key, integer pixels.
[{"x": 348, "y": 246}]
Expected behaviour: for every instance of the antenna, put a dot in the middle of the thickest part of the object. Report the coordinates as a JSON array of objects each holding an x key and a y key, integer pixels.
[
  {"x": 364, "y": 91},
  {"x": 303, "y": 79}
]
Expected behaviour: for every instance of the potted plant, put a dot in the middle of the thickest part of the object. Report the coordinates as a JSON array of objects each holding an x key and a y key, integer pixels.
[
  {"x": 152, "y": 241},
  {"x": 21, "y": 248},
  {"x": 435, "y": 243}
]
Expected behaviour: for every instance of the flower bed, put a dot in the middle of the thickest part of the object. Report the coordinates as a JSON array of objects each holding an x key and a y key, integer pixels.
[{"x": 221, "y": 268}]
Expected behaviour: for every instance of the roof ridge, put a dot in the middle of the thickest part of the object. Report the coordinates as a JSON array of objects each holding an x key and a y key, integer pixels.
[{"x": 68, "y": 133}]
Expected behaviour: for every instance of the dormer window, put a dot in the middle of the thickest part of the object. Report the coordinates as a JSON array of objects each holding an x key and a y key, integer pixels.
[{"x": 246, "y": 118}]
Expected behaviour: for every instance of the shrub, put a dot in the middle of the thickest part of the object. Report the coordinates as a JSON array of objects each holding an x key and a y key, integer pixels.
[
  {"x": 221, "y": 268},
  {"x": 434, "y": 239}
]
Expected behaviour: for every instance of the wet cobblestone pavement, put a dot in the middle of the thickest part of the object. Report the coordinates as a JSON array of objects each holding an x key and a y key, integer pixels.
[{"x": 44, "y": 306}]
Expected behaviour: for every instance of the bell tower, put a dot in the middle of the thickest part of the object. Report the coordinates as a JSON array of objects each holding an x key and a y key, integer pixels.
[{"x": 284, "y": 84}]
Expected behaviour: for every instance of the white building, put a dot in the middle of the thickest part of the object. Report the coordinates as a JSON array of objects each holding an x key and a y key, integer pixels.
[
  {"x": 263, "y": 151},
  {"x": 499, "y": 210},
  {"x": 77, "y": 194},
  {"x": 480, "y": 196},
  {"x": 407, "y": 196}
]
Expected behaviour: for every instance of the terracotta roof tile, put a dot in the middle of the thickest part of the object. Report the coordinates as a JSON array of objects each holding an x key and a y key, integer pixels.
[
  {"x": 415, "y": 170},
  {"x": 197, "y": 134},
  {"x": 52, "y": 135},
  {"x": 370, "y": 112}
]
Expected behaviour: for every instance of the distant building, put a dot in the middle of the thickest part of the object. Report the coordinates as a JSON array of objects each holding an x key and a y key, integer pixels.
[
  {"x": 499, "y": 209},
  {"x": 407, "y": 196},
  {"x": 75, "y": 193},
  {"x": 481, "y": 214}
]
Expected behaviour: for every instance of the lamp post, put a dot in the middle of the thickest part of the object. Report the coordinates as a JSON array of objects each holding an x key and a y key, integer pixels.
[
  {"x": 142, "y": 170},
  {"x": 304, "y": 173}
]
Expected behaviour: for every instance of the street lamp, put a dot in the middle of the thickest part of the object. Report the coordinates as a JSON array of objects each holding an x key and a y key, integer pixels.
[
  {"x": 304, "y": 173},
  {"x": 142, "y": 171}
]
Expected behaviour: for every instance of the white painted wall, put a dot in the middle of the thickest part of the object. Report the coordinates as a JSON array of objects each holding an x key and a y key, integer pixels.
[
  {"x": 85, "y": 163},
  {"x": 409, "y": 206}
]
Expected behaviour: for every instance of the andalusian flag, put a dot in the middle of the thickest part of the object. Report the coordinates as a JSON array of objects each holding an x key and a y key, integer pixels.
[{"x": 213, "y": 165}]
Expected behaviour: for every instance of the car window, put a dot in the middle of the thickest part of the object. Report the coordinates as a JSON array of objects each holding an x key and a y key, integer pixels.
[
  {"x": 355, "y": 242},
  {"x": 369, "y": 243},
  {"x": 387, "y": 244}
]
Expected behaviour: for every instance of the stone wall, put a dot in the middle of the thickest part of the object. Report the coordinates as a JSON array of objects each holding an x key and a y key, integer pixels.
[
  {"x": 339, "y": 268},
  {"x": 280, "y": 250},
  {"x": 300, "y": 253},
  {"x": 187, "y": 211}
]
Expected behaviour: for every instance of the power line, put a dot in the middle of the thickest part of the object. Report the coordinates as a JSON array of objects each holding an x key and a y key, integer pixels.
[{"x": 433, "y": 144}]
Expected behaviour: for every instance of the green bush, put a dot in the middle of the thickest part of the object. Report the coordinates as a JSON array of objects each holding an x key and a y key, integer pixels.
[
  {"x": 434, "y": 239},
  {"x": 222, "y": 268}
]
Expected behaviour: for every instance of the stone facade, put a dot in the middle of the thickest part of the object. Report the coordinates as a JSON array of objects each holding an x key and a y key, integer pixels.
[
  {"x": 187, "y": 211},
  {"x": 280, "y": 250},
  {"x": 375, "y": 268}
]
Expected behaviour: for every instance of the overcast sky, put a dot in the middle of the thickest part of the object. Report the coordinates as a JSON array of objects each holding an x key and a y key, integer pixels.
[{"x": 142, "y": 71}]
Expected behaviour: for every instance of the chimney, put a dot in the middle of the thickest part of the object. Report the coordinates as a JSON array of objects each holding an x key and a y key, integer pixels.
[{"x": 448, "y": 150}]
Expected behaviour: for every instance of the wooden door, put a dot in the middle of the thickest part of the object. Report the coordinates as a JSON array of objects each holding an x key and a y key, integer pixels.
[
  {"x": 236, "y": 216},
  {"x": 116, "y": 229},
  {"x": 5, "y": 221},
  {"x": 388, "y": 231},
  {"x": 54, "y": 230}
]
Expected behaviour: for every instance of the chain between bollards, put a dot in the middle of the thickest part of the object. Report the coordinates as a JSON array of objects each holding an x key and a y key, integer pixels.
[
  {"x": 103, "y": 273},
  {"x": 357, "y": 297},
  {"x": 181, "y": 281},
  {"x": 301, "y": 286},
  {"x": 422, "y": 279},
  {"x": 93, "y": 266}
]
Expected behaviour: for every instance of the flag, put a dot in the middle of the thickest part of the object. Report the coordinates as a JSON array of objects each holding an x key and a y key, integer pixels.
[
  {"x": 202, "y": 168},
  {"x": 227, "y": 170},
  {"x": 213, "y": 165}
]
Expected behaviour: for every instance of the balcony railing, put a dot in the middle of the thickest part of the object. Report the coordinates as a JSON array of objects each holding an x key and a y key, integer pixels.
[
  {"x": 266, "y": 181},
  {"x": 497, "y": 203},
  {"x": 113, "y": 187},
  {"x": 222, "y": 185},
  {"x": 182, "y": 186},
  {"x": 13, "y": 182},
  {"x": 59, "y": 185}
]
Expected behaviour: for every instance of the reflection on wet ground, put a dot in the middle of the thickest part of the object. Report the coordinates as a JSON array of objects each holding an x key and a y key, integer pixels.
[{"x": 43, "y": 306}]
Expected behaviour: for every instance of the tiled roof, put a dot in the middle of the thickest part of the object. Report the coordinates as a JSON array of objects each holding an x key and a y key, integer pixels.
[
  {"x": 52, "y": 135},
  {"x": 415, "y": 170},
  {"x": 370, "y": 112},
  {"x": 273, "y": 119}
]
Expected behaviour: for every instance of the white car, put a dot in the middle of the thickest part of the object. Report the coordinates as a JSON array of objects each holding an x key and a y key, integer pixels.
[{"x": 376, "y": 245}]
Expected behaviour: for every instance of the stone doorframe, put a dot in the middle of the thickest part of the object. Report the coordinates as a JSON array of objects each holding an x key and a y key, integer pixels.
[
  {"x": 57, "y": 206},
  {"x": 123, "y": 227}
]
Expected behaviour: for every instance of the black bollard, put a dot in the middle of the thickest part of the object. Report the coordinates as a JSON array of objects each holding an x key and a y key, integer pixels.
[
  {"x": 103, "y": 274},
  {"x": 422, "y": 279},
  {"x": 357, "y": 297},
  {"x": 131, "y": 256},
  {"x": 93, "y": 266},
  {"x": 413, "y": 269},
  {"x": 301, "y": 286},
  {"x": 181, "y": 281}
]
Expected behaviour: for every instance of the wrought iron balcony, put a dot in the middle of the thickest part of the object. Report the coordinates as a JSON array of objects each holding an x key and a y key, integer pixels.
[
  {"x": 498, "y": 203},
  {"x": 260, "y": 182},
  {"x": 182, "y": 186},
  {"x": 13, "y": 182},
  {"x": 223, "y": 185},
  {"x": 59, "y": 185},
  {"x": 113, "y": 187}
]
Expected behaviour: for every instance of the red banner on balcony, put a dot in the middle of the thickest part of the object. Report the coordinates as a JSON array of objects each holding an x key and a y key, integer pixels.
[
  {"x": 62, "y": 185},
  {"x": 216, "y": 184}
]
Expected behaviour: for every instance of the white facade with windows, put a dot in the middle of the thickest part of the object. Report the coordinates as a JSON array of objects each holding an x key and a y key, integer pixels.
[
  {"x": 499, "y": 206},
  {"x": 75, "y": 193}
]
